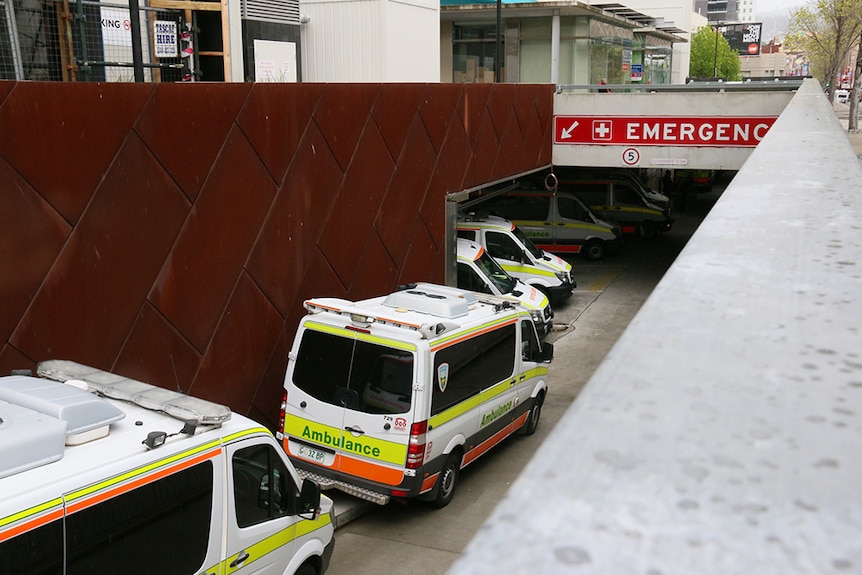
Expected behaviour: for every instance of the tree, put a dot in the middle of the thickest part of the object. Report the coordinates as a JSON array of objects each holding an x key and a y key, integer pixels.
[
  {"x": 853, "y": 123},
  {"x": 711, "y": 53},
  {"x": 826, "y": 30}
]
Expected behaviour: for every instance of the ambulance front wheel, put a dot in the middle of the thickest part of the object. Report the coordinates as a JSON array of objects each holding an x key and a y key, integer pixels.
[
  {"x": 534, "y": 415},
  {"x": 448, "y": 480},
  {"x": 594, "y": 250}
]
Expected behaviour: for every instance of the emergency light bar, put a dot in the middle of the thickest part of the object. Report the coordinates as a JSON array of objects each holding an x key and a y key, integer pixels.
[
  {"x": 177, "y": 405},
  {"x": 359, "y": 317}
]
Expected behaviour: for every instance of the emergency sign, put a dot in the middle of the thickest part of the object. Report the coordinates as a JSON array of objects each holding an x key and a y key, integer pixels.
[{"x": 693, "y": 131}]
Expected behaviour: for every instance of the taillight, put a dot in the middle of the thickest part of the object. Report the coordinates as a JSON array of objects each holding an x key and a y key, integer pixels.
[
  {"x": 280, "y": 433},
  {"x": 416, "y": 447}
]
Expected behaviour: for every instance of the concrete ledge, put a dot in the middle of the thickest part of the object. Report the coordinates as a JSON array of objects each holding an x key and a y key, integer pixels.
[{"x": 722, "y": 432}]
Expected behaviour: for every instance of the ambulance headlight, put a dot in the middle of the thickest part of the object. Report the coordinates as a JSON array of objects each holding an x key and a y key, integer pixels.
[
  {"x": 563, "y": 276},
  {"x": 536, "y": 314}
]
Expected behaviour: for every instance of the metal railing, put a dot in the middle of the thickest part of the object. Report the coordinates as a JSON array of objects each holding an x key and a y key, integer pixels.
[{"x": 778, "y": 84}]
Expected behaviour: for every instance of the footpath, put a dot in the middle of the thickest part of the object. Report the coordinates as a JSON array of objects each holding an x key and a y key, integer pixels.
[{"x": 855, "y": 137}]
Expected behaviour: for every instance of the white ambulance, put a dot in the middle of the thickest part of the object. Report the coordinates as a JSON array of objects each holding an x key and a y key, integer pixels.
[
  {"x": 518, "y": 255},
  {"x": 104, "y": 474},
  {"x": 478, "y": 271},
  {"x": 391, "y": 397}
]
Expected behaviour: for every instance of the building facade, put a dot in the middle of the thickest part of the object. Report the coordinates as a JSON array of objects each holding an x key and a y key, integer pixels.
[{"x": 554, "y": 42}]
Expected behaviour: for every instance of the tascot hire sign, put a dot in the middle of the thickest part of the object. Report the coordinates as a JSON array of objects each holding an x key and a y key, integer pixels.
[{"x": 694, "y": 131}]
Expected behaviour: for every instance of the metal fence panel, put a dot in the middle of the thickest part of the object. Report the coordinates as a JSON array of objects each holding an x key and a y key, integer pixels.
[{"x": 91, "y": 41}]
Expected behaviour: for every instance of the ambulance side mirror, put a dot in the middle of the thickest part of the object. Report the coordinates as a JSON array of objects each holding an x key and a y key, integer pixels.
[
  {"x": 547, "y": 353},
  {"x": 308, "y": 503}
]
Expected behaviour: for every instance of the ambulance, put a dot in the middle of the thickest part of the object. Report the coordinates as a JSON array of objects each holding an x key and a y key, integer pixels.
[
  {"x": 100, "y": 473},
  {"x": 518, "y": 255},
  {"x": 478, "y": 271},
  {"x": 391, "y": 397}
]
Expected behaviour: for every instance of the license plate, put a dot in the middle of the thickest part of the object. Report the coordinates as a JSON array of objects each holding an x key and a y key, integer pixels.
[{"x": 311, "y": 454}]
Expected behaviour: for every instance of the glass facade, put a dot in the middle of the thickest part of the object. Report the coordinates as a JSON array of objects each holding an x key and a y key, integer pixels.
[
  {"x": 591, "y": 50},
  {"x": 474, "y": 53}
]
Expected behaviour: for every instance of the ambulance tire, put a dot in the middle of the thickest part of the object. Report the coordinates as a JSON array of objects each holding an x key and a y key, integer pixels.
[
  {"x": 306, "y": 569},
  {"x": 448, "y": 480},
  {"x": 594, "y": 250},
  {"x": 534, "y": 415}
]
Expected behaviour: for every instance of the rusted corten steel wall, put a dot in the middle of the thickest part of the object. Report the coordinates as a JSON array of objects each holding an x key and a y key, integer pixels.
[{"x": 170, "y": 232}]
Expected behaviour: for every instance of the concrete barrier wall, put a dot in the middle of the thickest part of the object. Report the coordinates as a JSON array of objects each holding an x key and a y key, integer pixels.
[{"x": 730, "y": 443}]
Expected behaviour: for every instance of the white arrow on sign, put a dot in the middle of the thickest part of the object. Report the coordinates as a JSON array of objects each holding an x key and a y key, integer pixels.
[{"x": 567, "y": 132}]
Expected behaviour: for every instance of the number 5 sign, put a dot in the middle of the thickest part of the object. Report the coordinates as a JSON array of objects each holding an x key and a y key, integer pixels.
[{"x": 631, "y": 156}]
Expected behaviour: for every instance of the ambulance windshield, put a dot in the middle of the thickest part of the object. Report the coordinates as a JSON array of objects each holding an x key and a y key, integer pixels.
[
  {"x": 498, "y": 276},
  {"x": 354, "y": 374}
]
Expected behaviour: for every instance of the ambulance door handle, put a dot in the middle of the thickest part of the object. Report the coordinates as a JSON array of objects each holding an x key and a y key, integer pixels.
[
  {"x": 523, "y": 376},
  {"x": 240, "y": 559},
  {"x": 355, "y": 430}
]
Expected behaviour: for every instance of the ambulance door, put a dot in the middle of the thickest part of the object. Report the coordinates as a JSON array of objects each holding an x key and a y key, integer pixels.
[
  {"x": 318, "y": 394},
  {"x": 351, "y": 405},
  {"x": 574, "y": 222},
  {"x": 530, "y": 372},
  {"x": 510, "y": 254},
  {"x": 493, "y": 365},
  {"x": 376, "y": 423},
  {"x": 261, "y": 530},
  {"x": 631, "y": 209}
]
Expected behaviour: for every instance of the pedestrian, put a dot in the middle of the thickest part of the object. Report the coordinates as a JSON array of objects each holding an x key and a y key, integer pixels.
[{"x": 604, "y": 90}]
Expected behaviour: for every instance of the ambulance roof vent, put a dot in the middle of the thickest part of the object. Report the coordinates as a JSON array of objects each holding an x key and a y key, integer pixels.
[
  {"x": 178, "y": 405},
  {"x": 38, "y": 417},
  {"x": 437, "y": 300}
]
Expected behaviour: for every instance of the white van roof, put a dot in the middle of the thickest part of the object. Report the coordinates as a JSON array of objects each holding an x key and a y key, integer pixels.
[
  {"x": 76, "y": 424},
  {"x": 469, "y": 250},
  {"x": 427, "y": 310},
  {"x": 484, "y": 220}
]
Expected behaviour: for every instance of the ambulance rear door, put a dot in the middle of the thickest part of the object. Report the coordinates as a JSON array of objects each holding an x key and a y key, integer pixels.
[{"x": 351, "y": 402}]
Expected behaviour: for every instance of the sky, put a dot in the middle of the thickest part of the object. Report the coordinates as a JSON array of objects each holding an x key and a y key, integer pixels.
[{"x": 774, "y": 14}]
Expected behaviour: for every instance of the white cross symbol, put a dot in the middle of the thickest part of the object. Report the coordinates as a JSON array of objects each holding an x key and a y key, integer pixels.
[{"x": 601, "y": 130}]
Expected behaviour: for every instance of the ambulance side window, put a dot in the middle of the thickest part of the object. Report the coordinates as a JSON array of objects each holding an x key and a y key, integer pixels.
[
  {"x": 469, "y": 279},
  {"x": 571, "y": 209},
  {"x": 530, "y": 346},
  {"x": 625, "y": 194},
  {"x": 262, "y": 486},
  {"x": 592, "y": 194},
  {"x": 467, "y": 235},
  {"x": 503, "y": 246},
  {"x": 465, "y": 369},
  {"x": 160, "y": 527}
]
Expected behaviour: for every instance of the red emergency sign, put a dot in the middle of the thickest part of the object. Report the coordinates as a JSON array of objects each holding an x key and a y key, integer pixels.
[{"x": 694, "y": 131}]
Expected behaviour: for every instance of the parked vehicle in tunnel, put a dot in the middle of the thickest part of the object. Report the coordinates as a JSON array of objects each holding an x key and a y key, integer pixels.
[
  {"x": 479, "y": 272},
  {"x": 620, "y": 201},
  {"x": 518, "y": 255},
  {"x": 558, "y": 224},
  {"x": 622, "y": 174}
]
